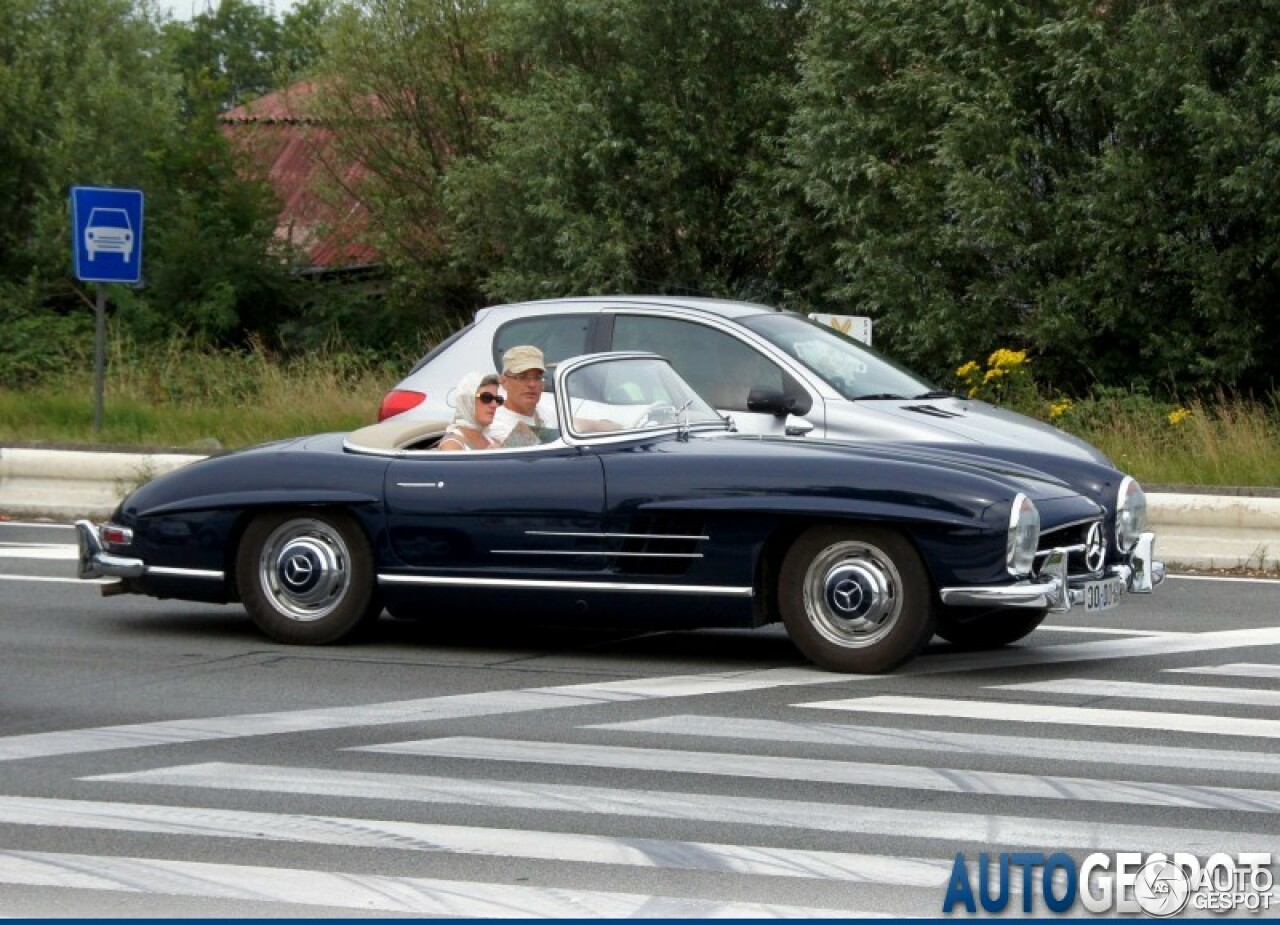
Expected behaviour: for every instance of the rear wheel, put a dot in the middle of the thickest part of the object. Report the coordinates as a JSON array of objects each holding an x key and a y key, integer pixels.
[
  {"x": 307, "y": 577},
  {"x": 855, "y": 599},
  {"x": 978, "y": 629}
]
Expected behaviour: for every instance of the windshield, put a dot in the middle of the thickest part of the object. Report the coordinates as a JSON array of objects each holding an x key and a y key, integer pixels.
[
  {"x": 849, "y": 366},
  {"x": 633, "y": 394}
]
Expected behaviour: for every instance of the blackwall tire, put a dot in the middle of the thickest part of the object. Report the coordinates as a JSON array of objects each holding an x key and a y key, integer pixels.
[
  {"x": 987, "y": 629},
  {"x": 307, "y": 577},
  {"x": 855, "y": 599}
]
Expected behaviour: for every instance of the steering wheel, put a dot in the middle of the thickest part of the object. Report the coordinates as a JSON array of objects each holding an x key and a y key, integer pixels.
[{"x": 658, "y": 414}]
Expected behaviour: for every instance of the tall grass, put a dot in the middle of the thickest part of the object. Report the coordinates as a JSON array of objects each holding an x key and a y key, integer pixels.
[
  {"x": 185, "y": 395},
  {"x": 1227, "y": 441}
]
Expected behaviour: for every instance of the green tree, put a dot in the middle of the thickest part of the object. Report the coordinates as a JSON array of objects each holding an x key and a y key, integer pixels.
[
  {"x": 227, "y": 55},
  {"x": 631, "y": 156},
  {"x": 1089, "y": 180},
  {"x": 87, "y": 98},
  {"x": 407, "y": 88}
]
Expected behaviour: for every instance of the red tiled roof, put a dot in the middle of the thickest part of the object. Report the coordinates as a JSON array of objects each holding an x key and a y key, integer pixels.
[{"x": 295, "y": 152}]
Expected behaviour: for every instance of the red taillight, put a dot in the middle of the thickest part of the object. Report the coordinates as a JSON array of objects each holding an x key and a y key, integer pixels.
[
  {"x": 116, "y": 536},
  {"x": 398, "y": 401}
]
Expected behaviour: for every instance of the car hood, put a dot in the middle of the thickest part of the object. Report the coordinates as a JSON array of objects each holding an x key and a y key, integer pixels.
[{"x": 941, "y": 420}]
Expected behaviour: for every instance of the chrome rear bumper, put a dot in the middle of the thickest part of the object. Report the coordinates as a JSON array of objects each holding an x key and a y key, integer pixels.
[
  {"x": 1053, "y": 590},
  {"x": 96, "y": 562}
]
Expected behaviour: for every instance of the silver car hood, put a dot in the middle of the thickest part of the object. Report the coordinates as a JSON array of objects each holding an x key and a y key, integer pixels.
[{"x": 952, "y": 420}]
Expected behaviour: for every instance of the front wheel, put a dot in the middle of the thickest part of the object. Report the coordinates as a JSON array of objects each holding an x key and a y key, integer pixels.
[
  {"x": 307, "y": 577},
  {"x": 855, "y": 599},
  {"x": 976, "y": 630}
]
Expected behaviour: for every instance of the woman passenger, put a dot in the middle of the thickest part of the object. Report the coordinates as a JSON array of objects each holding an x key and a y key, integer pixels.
[{"x": 475, "y": 401}]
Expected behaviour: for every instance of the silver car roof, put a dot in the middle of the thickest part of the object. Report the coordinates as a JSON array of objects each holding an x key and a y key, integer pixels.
[{"x": 725, "y": 308}]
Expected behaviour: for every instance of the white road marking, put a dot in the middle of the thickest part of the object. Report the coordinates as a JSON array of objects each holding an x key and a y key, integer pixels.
[
  {"x": 1048, "y": 714},
  {"x": 1098, "y": 650},
  {"x": 722, "y": 809},
  {"x": 87, "y": 582},
  {"x": 38, "y": 526},
  {"x": 418, "y": 895},
  {"x": 1235, "y": 670},
  {"x": 849, "y": 773},
  {"x": 1241, "y": 579},
  {"x": 1135, "y": 690},
  {"x": 490, "y": 703},
  {"x": 933, "y": 740},
  {"x": 752, "y": 860},
  {"x": 51, "y": 553},
  {"x": 1106, "y": 631},
  {"x": 106, "y": 738}
]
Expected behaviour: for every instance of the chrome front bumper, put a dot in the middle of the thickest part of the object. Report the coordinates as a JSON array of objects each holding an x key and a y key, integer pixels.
[
  {"x": 96, "y": 562},
  {"x": 1052, "y": 589}
]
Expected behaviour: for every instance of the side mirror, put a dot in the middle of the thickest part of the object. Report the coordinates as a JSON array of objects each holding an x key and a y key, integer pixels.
[
  {"x": 771, "y": 401},
  {"x": 768, "y": 401}
]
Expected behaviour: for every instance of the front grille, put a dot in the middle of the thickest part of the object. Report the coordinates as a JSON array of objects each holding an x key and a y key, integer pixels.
[{"x": 1075, "y": 539}]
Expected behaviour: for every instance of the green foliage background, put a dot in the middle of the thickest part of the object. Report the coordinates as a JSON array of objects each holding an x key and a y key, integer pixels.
[{"x": 1094, "y": 182}]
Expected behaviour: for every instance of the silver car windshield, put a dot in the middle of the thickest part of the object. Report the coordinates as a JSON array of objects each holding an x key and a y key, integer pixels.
[
  {"x": 849, "y": 366},
  {"x": 633, "y": 394}
]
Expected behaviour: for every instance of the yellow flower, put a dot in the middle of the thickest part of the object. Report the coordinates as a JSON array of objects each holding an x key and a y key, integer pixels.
[
  {"x": 994, "y": 373},
  {"x": 1058, "y": 408},
  {"x": 968, "y": 370},
  {"x": 1007, "y": 359},
  {"x": 1178, "y": 415}
]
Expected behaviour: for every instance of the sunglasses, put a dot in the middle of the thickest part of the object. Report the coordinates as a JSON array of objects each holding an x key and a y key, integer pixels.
[
  {"x": 488, "y": 398},
  {"x": 531, "y": 376}
]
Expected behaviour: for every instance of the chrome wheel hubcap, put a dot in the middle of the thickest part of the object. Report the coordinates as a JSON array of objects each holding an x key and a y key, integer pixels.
[
  {"x": 852, "y": 594},
  {"x": 304, "y": 569}
]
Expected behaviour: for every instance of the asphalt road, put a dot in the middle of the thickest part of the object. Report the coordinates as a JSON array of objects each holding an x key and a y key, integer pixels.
[{"x": 162, "y": 759}]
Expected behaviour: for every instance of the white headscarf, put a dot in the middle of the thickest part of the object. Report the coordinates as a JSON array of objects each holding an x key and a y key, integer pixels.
[{"x": 464, "y": 401}]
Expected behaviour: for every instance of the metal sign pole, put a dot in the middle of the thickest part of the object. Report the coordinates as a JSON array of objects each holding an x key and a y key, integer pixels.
[
  {"x": 100, "y": 357},
  {"x": 106, "y": 247}
]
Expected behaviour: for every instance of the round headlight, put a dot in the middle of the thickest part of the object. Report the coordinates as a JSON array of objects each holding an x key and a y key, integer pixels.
[
  {"x": 1024, "y": 536},
  {"x": 1131, "y": 514}
]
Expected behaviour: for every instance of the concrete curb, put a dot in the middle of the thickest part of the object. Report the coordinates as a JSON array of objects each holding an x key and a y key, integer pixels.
[
  {"x": 66, "y": 484},
  {"x": 1193, "y": 530}
]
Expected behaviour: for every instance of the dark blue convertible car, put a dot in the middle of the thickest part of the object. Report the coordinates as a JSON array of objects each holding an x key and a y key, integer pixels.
[{"x": 863, "y": 551}]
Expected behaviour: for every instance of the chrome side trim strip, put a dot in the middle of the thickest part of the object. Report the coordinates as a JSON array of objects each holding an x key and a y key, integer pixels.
[
  {"x": 487, "y": 582},
  {"x": 619, "y": 536},
  {"x": 184, "y": 572},
  {"x": 596, "y": 552}
]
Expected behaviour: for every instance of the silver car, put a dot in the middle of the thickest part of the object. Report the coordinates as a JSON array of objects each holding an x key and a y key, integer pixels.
[{"x": 770, "y": 371}]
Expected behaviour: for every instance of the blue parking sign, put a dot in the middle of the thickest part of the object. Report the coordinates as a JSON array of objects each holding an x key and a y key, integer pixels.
[{"x": 106, "y": 234}]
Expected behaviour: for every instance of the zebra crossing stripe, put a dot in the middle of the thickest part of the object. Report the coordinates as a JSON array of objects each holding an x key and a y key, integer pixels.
[
  {"x": 371, "y": 893},
  {"x": 1095, "y": 650},
  {"x": 934, "y": 740},
  {"x": 1135, "y": 690},
  {"x": 849, "y": 773},
  {"x": 724, "y": 809},
  {"x": 172, "y": 732},
  {"x": 1047, "y": 715},
  {"x": 753, "y": 860},
  {"x": 1236, "y": 670},
  {"x": 488, "y": 703}
]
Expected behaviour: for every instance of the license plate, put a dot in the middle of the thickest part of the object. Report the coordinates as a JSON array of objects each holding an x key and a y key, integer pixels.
[{"x": 1102, "y": 595}]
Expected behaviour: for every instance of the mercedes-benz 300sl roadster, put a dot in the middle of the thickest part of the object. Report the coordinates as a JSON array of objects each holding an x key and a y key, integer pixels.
[{"x": 660, "y": 517}]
